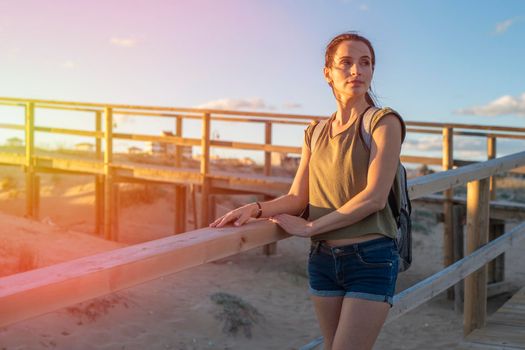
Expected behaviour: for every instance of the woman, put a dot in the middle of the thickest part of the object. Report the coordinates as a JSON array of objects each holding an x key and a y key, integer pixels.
[{"x": 353, "y": 263}]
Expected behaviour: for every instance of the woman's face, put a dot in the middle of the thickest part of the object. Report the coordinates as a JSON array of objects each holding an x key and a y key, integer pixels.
[{"x": 351, "y": 71}]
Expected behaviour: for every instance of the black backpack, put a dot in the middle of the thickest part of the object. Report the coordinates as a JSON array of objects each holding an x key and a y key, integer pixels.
[{"x": 398, "y": 200}]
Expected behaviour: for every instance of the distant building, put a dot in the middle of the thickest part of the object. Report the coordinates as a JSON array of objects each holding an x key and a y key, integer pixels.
[
  {"x": 14, "y": 142},
  {"x": 134, "y": 150},
  {"x": 85, "y": 147},
  {"x": 280, "y": 159},
  {"x": 164, "y": 149},
  {"x": 247, "y": 161}
]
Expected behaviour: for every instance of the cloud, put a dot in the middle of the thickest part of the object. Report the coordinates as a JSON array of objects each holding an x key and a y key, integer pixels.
[
  {"x": 502, "y": 27},
  {"x": 237, "y": 104},
  {"x": 363, "y": 7},
  {"x": 124, "y": 42},
  {"x": 291, "y": 105},
  {"x": 464, "y": 146},
  {"x": 69, "y": 65},
  {"x": 504, "y": 105}
]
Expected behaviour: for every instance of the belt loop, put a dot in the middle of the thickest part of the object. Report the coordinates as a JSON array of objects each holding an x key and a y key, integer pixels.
[{"x": 317, "y": 247}]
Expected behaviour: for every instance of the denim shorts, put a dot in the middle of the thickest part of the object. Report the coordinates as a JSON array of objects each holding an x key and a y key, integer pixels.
[{"x": 366, "y": 270}]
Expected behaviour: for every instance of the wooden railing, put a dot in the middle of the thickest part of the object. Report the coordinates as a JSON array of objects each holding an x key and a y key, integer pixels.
[{"x": 43, "y": 290}]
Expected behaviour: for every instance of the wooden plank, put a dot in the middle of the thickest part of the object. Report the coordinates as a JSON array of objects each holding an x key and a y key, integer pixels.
[
  {"x": 502, "y": 210},
  {"x": 68, "y": 131},
  {"x": 176, "y": 140},
  {"x": 475, "y": 301},
  {"x": 437, "y": 182},
  {"x": 8, "y": 158},
  {"x": 421, "y": 160},
  {"x": 67, "y": 164},
  {"x": 12, "y": 126},
  {"x": 35, "y": 292},
  {"x": 498, "y": 334},
  {"x": 425, "y": 290}
]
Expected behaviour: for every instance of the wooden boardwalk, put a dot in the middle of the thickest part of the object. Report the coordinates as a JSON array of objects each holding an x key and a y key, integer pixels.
[{"x": 505, "y": 329}]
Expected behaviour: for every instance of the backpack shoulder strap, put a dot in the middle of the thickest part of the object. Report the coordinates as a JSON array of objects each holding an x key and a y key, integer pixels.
[
  {"x": 365, "y": 124},
  {"x": 316, "y": 133}
]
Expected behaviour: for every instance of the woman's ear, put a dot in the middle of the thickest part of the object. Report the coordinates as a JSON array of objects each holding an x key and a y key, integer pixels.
[{"x": 327, "y": 75}]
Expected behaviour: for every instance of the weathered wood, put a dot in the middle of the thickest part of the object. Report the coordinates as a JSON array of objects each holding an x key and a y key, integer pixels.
[
  {"x": 67, "y": 131},
  {"x": 421, "y": 160},
  {"x": 425, "y": 290},
  {"x": 181, "y": 141},
  {"x": 500, "y": 210},
  {"x": 496, "y": 268},
  {"x": 491, "y": 154},
  {"x": 475, "y": 312},
  {"x": 458, "y": 215},
  {"x": 504, "y": 329},
  {"x": 36, "y": 197},
  {"x": 29, "y": 161},
  {"x": 115, "y": 212},
  {"x": 99, "y": 204},
  {"x": 205, "y": 169},
  {"x": 12, "y": 126},
  {"x": 108, "y": 174},
  {"x": 268, "y": 155},
  {"x": 424, "y": 185},
  {"x": 35, "y": 292},
  {"x": 448, "y": 224}
]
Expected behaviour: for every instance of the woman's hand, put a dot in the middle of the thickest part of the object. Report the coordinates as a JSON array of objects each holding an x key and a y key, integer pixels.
[
  {"x": 294, "y": 225},
  {"x": 241, "y": 215}
]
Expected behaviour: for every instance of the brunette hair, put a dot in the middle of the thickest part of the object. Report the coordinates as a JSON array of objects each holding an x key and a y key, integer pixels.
[{"x": 334, "y": 44}]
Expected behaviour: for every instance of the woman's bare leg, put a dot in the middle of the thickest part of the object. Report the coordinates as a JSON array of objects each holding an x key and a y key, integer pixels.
[
  {"x": 359, "y": 325},
  {"x": 328, "y": 310}
]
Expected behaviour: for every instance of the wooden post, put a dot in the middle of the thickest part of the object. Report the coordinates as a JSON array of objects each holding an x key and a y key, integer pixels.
[
  {"x": 115, "y": 211},
  {"x": 448, "y": 225},
  {"x": 496, "y": 268},
  {"x": 268, "y": 155},
  {"x": 180, "y": 190},
  {"x": 458, "y": 215},
  {"x": 99, "y": 204},
  {"x": 36, "y": 197},
  {"x": 99, "y": 179},
  {"x": 475, "y": 312},
  {"x": 108, "y": 176},
  {"x": 29, "y": 153},
  {"x": 491, "y": 154},
  {"x": 194, "y": 206},
  {"x": 205, "y": 168},
  {"x": 269, "y": 249}
]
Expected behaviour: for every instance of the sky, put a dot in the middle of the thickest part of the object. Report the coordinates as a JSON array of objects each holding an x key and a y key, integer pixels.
[{"x": 436, "y": 61}]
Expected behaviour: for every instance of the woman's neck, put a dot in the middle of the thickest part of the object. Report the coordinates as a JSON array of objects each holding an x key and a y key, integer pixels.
[{"x": 349, "y": 109}]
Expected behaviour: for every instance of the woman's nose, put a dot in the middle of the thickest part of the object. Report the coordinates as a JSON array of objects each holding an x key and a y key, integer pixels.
[{"x": 354, "y": 69}]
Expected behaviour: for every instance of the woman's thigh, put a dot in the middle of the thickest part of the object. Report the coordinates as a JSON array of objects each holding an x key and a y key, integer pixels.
[
  {"x": 360, "y": 322},
  {"x": 327, "y": 310}
]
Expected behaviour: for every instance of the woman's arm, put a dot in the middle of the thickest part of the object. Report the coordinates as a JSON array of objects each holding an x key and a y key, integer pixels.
[
  {"x": 292, "y": 203},
  {"x": 384, "y": 158}
]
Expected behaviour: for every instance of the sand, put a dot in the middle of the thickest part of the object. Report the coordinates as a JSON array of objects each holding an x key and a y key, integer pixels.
[{"x": 265, "y": 304}]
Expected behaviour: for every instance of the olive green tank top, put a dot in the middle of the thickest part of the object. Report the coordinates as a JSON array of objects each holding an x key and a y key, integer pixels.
[{"x": 338, "y": 171}]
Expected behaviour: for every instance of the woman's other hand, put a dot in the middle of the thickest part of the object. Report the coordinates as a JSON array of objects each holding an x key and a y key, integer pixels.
[
  {"x": 294, "y": 225},
  {"x": 240, "y": 215}
]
